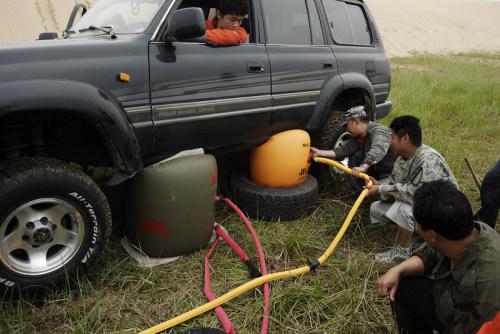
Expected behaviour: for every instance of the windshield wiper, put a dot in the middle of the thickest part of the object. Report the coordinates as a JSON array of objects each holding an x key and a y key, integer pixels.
[{"x": 107, "y": 29}]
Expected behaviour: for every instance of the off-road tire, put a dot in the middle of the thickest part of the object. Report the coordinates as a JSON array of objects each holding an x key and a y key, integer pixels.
[
  {"x": 267, "y": 203},
  {"x": 327, "y": 139},
  {"x": 45, "y": 181},
  {"x": 331, "y": 131}
]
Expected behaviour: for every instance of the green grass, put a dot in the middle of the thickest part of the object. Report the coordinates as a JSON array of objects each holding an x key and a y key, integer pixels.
[{"x": 457, "y": 98}]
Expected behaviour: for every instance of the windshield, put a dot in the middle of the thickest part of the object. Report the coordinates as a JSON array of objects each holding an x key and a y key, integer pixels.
[{"x": 123, "y": 16}]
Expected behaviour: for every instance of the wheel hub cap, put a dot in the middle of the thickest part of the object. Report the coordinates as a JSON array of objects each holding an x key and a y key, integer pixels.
[
  {"x": 39, "y": 232},
  {"x": 41, "y": 236}
]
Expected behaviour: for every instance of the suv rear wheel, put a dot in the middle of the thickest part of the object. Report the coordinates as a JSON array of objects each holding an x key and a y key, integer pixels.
[
  {"x": 54, "y": 221},
  {"x": 332, "y": 136}
]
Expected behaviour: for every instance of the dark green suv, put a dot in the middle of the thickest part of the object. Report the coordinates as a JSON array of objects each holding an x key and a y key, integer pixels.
[{"x": 134, "y": 82}]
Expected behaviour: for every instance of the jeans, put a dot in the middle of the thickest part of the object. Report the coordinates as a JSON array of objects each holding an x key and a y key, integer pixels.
[{"x": 490, "y": 196}]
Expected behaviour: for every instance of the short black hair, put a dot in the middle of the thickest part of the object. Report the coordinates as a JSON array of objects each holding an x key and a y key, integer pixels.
[
  {"x": 233, "y": 7},
  {"x": 439, "y": 206},
  {"x": 408, "y": 125}
]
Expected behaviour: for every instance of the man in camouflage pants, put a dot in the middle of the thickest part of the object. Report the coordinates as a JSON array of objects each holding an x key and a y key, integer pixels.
[
  {"x": 368, "y": 149},
  {"x": 416, "y": 164}
]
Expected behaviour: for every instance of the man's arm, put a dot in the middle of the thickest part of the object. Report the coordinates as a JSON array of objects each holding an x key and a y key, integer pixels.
[
  {"x": 381, "y": 140},
  {"x": 379, "y": 146},
  {"x": 404, "y": 191},
  {"x": 226, "y": 36},
  {"x": 387, "y": 284},
  {"x": 348, "y": 148},
  {"x": 399, "y": 191},
  {"x": 429, "y": 167},
  {"x": 339, "y": 153},
  {"x": 322, "y": 153}
]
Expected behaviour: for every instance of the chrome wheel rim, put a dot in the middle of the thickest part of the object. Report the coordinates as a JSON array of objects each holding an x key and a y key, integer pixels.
[
  {"x": 344, "y": 137},
  {"x": 41, "y": 236}
]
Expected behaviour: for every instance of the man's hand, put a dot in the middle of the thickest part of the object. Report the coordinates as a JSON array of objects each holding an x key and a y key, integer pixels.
[
  {"x": 387, "y": 285},
  {"x": 374, "y": 182},
  {"x": 322, "y": 153},
  {"x": 361, "y": 169},
  {"x": 373, "y": 190}
]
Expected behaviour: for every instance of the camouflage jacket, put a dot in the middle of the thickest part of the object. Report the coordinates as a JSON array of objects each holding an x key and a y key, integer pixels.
[
  {"x": 376, "y": 149},
  {"x": 407, "y": 175},
  {"x": 469, "y": 294}
]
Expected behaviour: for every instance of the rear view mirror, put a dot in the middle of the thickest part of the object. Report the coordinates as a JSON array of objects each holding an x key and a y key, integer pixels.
[{"x": 187, "y": 24}]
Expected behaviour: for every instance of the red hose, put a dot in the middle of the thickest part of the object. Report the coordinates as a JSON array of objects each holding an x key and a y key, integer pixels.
[
  {"x": 231, "y": 243},
  {"x": 221, "y": 315},
  {"x": 219, "y": 311},
  {"x": 262, "y": 262}
]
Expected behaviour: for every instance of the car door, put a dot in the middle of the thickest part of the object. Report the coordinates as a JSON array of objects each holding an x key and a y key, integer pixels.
[
  {"x": 206, "y": 96},
  {"x": 301, "y": 60}
]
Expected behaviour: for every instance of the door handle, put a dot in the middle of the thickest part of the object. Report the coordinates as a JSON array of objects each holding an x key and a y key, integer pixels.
[
  {"x": 327, "y": 65},
  {"x": 255, "y": 68}
]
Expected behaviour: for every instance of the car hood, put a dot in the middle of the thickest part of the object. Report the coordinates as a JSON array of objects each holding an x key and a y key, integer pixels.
[
  {"x": 69, "y": 59},
  {"x": 59, "y": 49}
]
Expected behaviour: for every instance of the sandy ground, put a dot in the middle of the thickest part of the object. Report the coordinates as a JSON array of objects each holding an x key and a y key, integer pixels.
[
  {"x": 23, "y": 20},
  {"x": 437, "y": 26},
  {"x": 434, "y": 26}
]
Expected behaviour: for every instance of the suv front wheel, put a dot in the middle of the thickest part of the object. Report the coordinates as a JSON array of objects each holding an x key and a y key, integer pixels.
[{"x": 54, "y": 221}]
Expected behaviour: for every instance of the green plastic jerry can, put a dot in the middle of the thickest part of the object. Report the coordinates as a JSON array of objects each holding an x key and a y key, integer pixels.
[{"x": 171, "y": 206}]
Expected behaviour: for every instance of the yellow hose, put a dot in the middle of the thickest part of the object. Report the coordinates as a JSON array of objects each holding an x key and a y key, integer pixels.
[{"x": 275, "y": 276}]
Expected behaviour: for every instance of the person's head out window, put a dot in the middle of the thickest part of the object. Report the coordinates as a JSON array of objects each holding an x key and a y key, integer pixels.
[
  {"x": 225, "y": 28},
  {"x": 230, "y": 13}
]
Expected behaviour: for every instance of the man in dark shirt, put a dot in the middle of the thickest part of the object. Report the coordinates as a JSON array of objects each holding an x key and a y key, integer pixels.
[
  {"x": 368, "y": 150},
  {"x": 453, "y": 284},
  {"x": 490, "y": 196}
]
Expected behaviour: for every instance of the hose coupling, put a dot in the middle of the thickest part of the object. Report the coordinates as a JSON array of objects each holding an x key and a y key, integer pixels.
[{"x": 313, "y": 265}]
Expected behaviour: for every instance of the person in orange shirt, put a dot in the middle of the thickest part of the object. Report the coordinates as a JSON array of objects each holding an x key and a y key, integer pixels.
[
  {"x": 491, "y": 327},
  {"x": 225, "y": 28}
]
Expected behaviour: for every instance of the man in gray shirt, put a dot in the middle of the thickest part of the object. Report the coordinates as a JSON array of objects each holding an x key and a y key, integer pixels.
[
  {"x": 416, "y": 164},
  {"x": 368, "y": 149}
]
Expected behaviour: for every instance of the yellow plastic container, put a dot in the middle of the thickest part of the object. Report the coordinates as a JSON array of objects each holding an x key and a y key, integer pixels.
[{"x": 283, "y": 161}]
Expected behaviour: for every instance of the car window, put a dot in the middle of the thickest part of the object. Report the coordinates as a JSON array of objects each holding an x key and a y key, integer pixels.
[
  {"x": 359, "y": 25},
  {"x": 210, "y": 14},
  {"x": 123, "y": 15},
  {"x": 287, "y": 22},
  {"x": 316, "y": 31},
  {"x": 348, "y": 23}
]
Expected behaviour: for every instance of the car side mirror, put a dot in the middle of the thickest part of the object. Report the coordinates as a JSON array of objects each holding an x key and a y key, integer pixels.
[{"x": 186, "y": 24}]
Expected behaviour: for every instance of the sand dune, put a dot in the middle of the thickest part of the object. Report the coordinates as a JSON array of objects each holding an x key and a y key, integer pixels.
[
  {"x": 23, "y": 20},
  {"x": 437, "y": 26},
  {"x": 434, "y": 26}
]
